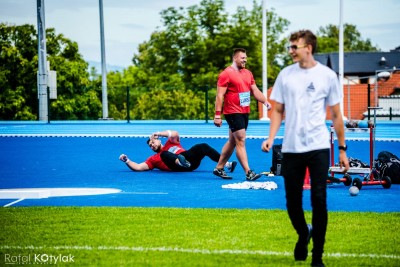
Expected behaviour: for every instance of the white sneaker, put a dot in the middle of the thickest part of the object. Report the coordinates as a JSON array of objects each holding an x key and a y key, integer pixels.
[{"x": 231, "y": 165}]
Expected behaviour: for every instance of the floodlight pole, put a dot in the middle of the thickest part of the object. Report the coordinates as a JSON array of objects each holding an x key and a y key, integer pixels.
[
  {"x": 103, "y": 64},
  {"x": 341, "y": 54},
  {"x": 264, "y": 57},
  {"x": 42, "y": 63}
]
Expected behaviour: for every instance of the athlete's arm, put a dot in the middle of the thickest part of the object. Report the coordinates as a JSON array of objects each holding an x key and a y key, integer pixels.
[
  {"x": 259, "y": 96},
  {"x": 276, "y": 120},
  {"x": 133, "y": 165},
  {"x": 338, "y": 124},
  {"x": 173, "y": 136},
  {"x": 138, "y": 167},
  {"x": 219, "y": 100}
]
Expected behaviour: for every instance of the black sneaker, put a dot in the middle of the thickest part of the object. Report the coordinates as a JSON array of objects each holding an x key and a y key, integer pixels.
[
  {"x": 301, "y": 249},
  {"x": 221, "y": 173},
  {"x": 232, "y": 166},
  {"x": 183, "y": 162},
  {"x": 252, "y": 176}
]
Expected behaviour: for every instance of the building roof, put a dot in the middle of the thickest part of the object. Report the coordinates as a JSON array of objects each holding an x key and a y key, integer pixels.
[{"x": 361, "y": 63}]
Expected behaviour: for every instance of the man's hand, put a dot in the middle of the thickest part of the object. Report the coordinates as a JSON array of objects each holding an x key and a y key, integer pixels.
[
  {"x": 155, "y": 135},
  {"x": 268, "y": 105},
  {"x": 217, "y": 121},
  {"x": 266, "y": 145},
  {"x": 343, "y": 161},
  {"x": 124, "y": 158}
]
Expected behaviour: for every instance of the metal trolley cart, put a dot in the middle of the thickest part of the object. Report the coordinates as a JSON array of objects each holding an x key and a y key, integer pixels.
[{"x": 371, "y": 175}]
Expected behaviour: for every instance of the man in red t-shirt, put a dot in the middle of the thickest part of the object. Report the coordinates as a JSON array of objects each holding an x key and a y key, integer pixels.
[
  {"x": 173, "y": 157},
  {"x": 234, "y": 88}
]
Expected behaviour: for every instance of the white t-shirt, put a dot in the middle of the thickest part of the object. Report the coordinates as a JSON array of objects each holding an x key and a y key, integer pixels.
[{"x": 306, "y": 93}]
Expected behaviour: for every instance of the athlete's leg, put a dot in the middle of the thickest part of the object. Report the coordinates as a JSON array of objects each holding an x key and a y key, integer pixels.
[
  {"x": 171, "y": 160},
  {"x": 318, "y": 166},
  {"x": 197, "y": 152},
  {"x": 241, "y": 153},
  {"x": 293, "y": 171},
  {"x": 227, "y": 151}
]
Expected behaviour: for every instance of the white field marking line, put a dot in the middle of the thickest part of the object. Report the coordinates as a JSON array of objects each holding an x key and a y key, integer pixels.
[
  {"x": 144, "y": 193},
  {"x": 14, "y": 202},
  {"x": 198, "y": 251},
  {"x": 108, "y": 135},
  {"x": 393, "y": 139}
]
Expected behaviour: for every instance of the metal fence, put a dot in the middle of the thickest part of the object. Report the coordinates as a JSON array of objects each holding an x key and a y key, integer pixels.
[
  {"x": 363, "y": 92},
  {"x": 359, "y": 94}
]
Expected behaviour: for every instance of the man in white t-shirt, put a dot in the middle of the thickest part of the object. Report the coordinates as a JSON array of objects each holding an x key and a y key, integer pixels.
[{"x": 302, "y": 92}]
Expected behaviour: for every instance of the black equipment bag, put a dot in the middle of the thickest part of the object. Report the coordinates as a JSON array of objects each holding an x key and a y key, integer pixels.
[
  {"x": 353, "y": 162},
  {"x": 388, "y": 164},
  {"x": 276, "y": 159}
]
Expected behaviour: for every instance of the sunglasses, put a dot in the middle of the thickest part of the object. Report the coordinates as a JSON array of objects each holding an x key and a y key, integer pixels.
[{"x": 294, "y": 47}]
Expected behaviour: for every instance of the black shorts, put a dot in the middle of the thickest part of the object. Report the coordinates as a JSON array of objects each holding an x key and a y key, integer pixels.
[{"x": 237, "y": 121}]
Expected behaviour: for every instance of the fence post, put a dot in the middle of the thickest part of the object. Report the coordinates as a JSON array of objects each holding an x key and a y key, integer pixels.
[
  {"x": 48, "y": 104},
  {"x": 128, "y": 117},
  {"x": 390, "y": 113},
  {"x": 206, "y": 103},
  {"x": 369, "y": 101}
]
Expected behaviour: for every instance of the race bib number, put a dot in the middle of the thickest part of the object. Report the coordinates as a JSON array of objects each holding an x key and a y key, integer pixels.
[
  {"x": 174, "y": 149},
  {"x": 244, "y": 99}
]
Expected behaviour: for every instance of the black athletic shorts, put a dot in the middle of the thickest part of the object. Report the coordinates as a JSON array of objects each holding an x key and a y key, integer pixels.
[{"x": 237, "y": 121}]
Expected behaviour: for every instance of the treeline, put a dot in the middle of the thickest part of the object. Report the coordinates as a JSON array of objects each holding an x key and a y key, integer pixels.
[{"x": 173, "y": 75}]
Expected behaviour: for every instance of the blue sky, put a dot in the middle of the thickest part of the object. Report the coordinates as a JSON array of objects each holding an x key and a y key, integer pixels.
[{"x": 130, "y": 22}]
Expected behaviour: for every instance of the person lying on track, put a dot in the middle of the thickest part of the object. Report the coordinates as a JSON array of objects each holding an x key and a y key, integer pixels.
[{"x": 173, "y": 157}]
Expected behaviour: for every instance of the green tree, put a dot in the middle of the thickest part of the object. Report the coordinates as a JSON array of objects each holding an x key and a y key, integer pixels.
[
  {"x": 196, "y": 44},
  {"x": 328, "y": 39},
  {"x": 18, "y": 76},
  {"x": 169, "y": 105},
  {"x": 76, "y": 99},
  {"x": 246, "y": 30},
  {"x": 18, "y": 50}
]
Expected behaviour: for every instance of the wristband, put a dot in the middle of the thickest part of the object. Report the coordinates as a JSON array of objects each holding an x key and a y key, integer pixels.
[
  {"x": 169, "y": 133},
  {"x": 217, "y": 113},
  {"x": 127, "y": 161}
]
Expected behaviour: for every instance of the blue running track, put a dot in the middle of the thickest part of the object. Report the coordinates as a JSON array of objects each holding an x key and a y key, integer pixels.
[{"x": 85, "y": 155}]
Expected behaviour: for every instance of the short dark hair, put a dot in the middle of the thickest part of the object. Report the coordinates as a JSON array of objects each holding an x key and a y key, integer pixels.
[
  {"x": 308, "y": 36},
  {"x": 238, "y": 50}
]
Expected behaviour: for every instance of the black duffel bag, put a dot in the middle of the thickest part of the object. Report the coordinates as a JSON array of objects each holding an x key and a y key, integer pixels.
[{"x": 388, "y": 164}]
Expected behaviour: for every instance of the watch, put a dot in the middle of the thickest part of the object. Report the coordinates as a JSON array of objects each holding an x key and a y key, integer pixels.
[{"x": 344, "y": 148}]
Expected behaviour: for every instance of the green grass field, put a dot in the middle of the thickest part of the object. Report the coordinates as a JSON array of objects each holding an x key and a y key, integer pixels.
[{"x": 90, "y": 236}]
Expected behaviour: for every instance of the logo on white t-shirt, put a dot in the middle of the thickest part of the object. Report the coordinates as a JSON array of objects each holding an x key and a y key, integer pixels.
[{"x": 311, "y": 87}]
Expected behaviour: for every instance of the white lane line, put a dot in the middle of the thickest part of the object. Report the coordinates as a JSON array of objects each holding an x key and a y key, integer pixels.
[
  {"x": 144, "y": 193},
  {"x": 14, "y": 202},
  {"x": 38, "y": 193},
  {"x": 196, "y": 251}
]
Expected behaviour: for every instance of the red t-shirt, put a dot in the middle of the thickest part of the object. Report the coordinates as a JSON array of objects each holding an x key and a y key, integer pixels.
[
  {"x": 237, "y": 96},
  {"x": 155, "y": 160}
]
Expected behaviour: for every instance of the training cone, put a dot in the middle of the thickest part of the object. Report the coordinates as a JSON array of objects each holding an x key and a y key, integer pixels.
[{"x": 307, "y": 184}]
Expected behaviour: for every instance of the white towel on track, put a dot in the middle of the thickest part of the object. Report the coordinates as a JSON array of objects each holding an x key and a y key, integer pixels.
[{"x": 252, "y": 185}]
